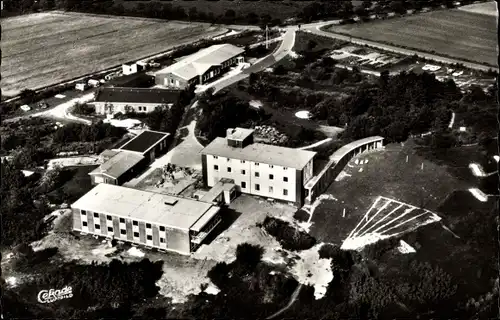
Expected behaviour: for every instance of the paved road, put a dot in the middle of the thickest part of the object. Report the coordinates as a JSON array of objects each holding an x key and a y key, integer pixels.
[{"x": 315, "y": 28}]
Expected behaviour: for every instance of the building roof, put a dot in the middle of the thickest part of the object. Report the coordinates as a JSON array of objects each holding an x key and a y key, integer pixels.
[
  {"x": 118, "y": 164},
  {"x": 108, "y": 154},
  {"x": 239, "y": 134},
  {"x": 145, "y": 141},
  {"x": 198, "y": 63},
  {"x": 220, "y": 187},
  {"x": 261, "y": 153},
  {"x": 145, "y": 206},
  {"x": 341, "y": 152},
  {"x": 137, "y": 95}
]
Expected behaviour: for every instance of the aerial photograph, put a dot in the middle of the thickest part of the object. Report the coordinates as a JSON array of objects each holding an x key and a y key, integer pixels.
[{"x": 249, "y": 159}]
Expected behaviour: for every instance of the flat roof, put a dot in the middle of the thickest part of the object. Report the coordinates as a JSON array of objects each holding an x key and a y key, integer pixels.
[
  {"x": 118, "y": 164},
  {"x": 144, "y": 141},
  {"x": 198, "y": 63},
  {"x": 137, "y": 95},
  {"x": 145, "y": 206},
  {"x": 261, "y": 153},
  {"x": 220, "y": 187},
  {"x": 340, "y": 153},
  {"x": 204, "y": 219},
  {"x": 239, "y": 134}
]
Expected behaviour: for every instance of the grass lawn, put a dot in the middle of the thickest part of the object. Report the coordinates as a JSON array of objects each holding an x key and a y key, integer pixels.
[
  {"x": 45, "y": 48},
  {"x": 453, "y": 33},
  {"x": 386, "y": 174}
]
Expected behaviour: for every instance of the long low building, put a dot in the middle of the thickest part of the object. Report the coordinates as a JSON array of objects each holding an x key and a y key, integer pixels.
[
  {"x": 259, "y": 169},
  {"x": 145, "y": 218},
  {"x": 111, "y": 100},
  {"x": 200, "y": 67}
]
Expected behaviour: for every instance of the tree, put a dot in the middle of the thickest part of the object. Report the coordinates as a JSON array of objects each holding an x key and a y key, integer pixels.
[
  {"x": 193, "y": 13},
  {"x": 47, "y": 4},
  {"x": 311, "y": 44},
  {"x": 249, "y": 255}
]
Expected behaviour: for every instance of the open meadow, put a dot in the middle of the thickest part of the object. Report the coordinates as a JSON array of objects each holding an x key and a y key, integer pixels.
[
  {"x": 46, "y": 48},
  {"x": 452, "y": 33}
]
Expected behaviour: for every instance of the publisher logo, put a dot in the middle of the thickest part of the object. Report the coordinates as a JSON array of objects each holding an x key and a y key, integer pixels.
[{"x": 49, "y": 296}]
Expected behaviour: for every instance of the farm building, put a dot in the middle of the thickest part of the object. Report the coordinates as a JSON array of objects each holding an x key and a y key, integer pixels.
[
  {"x": 115, "y": 99},
  {"x": 145, "y": 218},
  {"x": 200, "y": 67},
  {"x": 120, "y": 165},
  {"x": 260, "y": 169}
]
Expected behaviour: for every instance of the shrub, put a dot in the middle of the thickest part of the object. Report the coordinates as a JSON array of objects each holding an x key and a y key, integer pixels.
[
  {"x": 289, "y": 237},
  {"x": 376, "y": 250},
  {"x": 248, "y": 256},
  {"x": 301, "y": 215}
]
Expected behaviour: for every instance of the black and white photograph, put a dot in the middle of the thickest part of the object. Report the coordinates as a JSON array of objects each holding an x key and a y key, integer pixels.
[{"x": 249, "y": 159}]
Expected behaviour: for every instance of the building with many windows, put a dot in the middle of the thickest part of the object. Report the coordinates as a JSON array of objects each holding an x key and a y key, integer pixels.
[
  {"x": 259, "y": 169},
  {"x": 145, "y": 218},
  {"x": 200, "y": 67}
]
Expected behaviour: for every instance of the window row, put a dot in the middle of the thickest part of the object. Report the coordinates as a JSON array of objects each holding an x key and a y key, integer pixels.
[
  {"x": 257, "y": 188},
  {"x": 257, "y": 174},
  {"x": 243, "y": 161},
  {"x": 122, "y": 220},
  {"x": 122, "y": 231},
  {"x": 143, "y": 109}
]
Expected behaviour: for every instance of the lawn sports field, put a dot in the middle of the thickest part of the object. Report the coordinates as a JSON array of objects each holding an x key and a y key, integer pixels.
[
  {"x": 452, "y": 33},
  {"x": 46, "y": 48}
]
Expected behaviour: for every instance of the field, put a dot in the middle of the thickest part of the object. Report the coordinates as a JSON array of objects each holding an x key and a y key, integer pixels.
[
  {"x": 489, "y": 8},
  {"x": 452, "y": 33},
  {"x": 46, "y": 48}
]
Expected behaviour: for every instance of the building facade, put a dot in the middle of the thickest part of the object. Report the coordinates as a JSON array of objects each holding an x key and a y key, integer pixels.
[
  {"x": 258, "y": 169},
  {"x": 111, "y": 100},
  {"x": 145, "y": 218},
  {"x": 200, "y": 67}
]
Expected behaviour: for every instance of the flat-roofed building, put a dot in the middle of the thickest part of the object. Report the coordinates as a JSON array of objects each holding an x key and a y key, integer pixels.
[
  {"x": 121, "y": 165},
  {"x": 260, "y": 169},
  {"x": 111, "y": 100},
  {"x": 145, "y": 218},
  {"x": 200, "y": 67}
]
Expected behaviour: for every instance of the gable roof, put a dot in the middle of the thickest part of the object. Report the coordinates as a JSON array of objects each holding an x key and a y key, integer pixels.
[
  {"x": 137, "y": 95},
  {"x": 198, "y": 63},
  {"x": 118, "y": 164}
]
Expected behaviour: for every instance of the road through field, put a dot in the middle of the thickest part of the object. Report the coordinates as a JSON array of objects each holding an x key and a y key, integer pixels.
[{"x": 317, "y": 30}]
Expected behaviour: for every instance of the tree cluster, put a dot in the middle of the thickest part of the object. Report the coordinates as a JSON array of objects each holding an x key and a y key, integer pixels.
[
  {"x": 289, "y": 237},
  {"x": 221, "y": 111}
]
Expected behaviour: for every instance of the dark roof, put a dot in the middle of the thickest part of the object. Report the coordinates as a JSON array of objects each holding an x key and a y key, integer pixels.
[
  {"x": 137, "y": 95},
  {"x": 144, "y": 141}
]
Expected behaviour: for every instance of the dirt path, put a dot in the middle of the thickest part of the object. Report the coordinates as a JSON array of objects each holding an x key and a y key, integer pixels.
[{"x": 293, "y": 298}]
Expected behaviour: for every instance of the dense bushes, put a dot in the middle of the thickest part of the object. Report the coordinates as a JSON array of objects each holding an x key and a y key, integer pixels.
[
  {"x": 301, "y": 215},
  {"x": 83, "y": 109},
  {"x": 76, "y": 132},
  {"x": 222, "y": 111},
  {"x": 289, "y": 237}
]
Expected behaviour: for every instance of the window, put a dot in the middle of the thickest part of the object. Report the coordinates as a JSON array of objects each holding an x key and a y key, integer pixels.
[
  {"x": 148, "y": 225},
  {"x": 84, "y": 213},
  {"x": 162, "y": 240},
  {"x": 243, "y": 184},
  {"x": 98, "y": 227},
  {"x": 96, "y": 215},
  {"x": 149, "y": 237},
  {"x": 270, "y": 189},
  {"x": 110, "y": 229},
  {"x": 216, "y": 167},
  {"x": 256, "y": 164},
  {"x": 172, "y": 81},
  {"x": 162, "y": 228},
  {"x": 285, "y": 168},
  {"x": 257, "y": 187},
  {"x": 135, "y": 223},
  {"x": 228, "y": 159},
  {"x": 122, "y": 220},
  {"x": 228, "y": 169},
  {"x": 123, "y": 231},
  {"x": 285, "y": 179},
  {"x": 84, "y": 223},
  {"x": 271, "y": 177},
  {"x": 136, "y": 234},
  {"x": 243, "y": 172},
  {"x": 110, "y": 218},
  {"x": 215, "y": 157},
  {"x": 242, "y": 161},
  {"x": 285, "y": 192},
  {"x": 145, "y": 108},
  {"x": 256, "y": 174},
  {"x": 271, "y": 166}
]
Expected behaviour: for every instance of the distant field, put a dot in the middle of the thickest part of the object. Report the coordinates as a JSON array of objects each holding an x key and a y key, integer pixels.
[
  {"x": 454, "y": 33},
  {"x": 488, "y": 8},
  {"x": 45, "y": 48}
]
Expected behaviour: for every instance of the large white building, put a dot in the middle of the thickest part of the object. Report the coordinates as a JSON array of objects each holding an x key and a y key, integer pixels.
[{"x": 259, "y": 169}]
